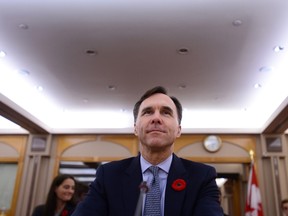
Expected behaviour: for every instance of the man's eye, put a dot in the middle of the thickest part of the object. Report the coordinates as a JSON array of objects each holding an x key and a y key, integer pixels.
[
  {"x": 147, "y": 112},
  {"x": 167, "y": 113}
]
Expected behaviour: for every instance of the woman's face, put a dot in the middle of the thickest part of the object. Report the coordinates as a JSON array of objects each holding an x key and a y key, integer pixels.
[{"x": 65, "y": 191}]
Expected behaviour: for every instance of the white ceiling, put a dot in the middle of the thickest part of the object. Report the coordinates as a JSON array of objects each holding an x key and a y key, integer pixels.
[{"x": 136, "y": 44}]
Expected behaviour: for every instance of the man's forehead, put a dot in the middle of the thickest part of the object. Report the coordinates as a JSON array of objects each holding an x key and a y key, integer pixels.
[{"x": 158, "y": 100}]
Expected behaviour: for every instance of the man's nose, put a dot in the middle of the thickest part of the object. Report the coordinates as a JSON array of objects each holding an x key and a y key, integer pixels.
[{"x": 156, "y": 118}]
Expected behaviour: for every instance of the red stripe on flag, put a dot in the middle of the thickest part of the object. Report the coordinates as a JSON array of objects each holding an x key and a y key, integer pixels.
[{"x": 253, "y": 200}]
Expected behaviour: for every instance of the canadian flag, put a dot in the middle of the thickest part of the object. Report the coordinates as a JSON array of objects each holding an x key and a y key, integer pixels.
[{"x": 253, "y": 201}]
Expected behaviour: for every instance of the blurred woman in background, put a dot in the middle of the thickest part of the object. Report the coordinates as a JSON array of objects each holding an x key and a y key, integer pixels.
[{"x": 60, "y": 200}]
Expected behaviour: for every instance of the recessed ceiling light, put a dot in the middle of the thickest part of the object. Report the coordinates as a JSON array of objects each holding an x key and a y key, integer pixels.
[
  {"x": 23, "y": 72},
  {"x": 257, "y": 85},
  {"x": 85, "y": 100},
  {"x": 278, "y": 48},
  {"x": 266, "y": 69},
  {"x": 39, "y": 88},
  {"x": 183, "y": 51},
  {"x": 182, "y": 86},
  {"x": 237, "y": 22},
  {"x": 2, "y": 54},
  {"x": 112, "y": 87},
  {"x": 91, "y": 52},
  {"x": 23, "y": 26}
]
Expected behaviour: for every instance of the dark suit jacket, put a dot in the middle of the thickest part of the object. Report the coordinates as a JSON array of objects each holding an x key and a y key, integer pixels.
[
  {"x": 115, "y": 190},
  {"x": 67, "y": 211}
]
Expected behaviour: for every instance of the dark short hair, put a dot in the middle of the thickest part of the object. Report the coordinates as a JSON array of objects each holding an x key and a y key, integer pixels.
[{"x": 157, "y": 90}]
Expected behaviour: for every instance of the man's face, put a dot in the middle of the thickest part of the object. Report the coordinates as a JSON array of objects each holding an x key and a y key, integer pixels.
[
  {"x": 157, "y": 123},
  {"x": 285, "y": 208}
]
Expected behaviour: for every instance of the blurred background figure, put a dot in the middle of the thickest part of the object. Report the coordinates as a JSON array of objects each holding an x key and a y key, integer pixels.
[
  {"x": 284, "y": 206},
  {"x": 220, "y": 200},
  {"x": 60, "y": 200},
  {"x": 81, "y": 191}
]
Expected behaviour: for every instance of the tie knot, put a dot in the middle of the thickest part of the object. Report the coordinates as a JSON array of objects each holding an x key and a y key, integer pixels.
[{"x": 154, "y": 170}]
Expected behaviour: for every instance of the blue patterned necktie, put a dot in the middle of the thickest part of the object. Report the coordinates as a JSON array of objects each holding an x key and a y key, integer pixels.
[{"x": 153, "y": 196}]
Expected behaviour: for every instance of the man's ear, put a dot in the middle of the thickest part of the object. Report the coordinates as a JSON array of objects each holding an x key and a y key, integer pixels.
[
  {"x": 179, "y": 131},
  {"x": 135, "y": 130}
]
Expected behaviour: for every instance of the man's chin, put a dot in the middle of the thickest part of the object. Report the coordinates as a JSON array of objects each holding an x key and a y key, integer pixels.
[{"x": 156, "y": 142}]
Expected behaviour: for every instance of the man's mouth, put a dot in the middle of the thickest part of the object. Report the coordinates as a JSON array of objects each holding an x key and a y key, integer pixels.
[{"x": 155, "y": 130}]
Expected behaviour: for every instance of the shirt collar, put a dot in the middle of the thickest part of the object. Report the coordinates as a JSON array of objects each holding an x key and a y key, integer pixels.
[{"x": 164, "y": 165}]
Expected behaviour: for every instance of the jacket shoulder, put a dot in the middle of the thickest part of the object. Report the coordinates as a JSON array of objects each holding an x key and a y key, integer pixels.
[{"x": 38, "y": 210}]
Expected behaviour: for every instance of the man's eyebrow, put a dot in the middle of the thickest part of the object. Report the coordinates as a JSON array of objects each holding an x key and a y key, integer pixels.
[
  {"x": 168, "y": 108},
  {"x": 146, "y": 109}
]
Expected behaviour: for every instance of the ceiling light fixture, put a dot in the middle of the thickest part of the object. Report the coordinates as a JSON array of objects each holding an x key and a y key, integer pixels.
[
  {"x": 182, "y": 86},
  {"x": 2, "y": 54},
  {"x": 237, "y": 23},
  {"x": 39, "y": 88},
  {"x": 257, "y": 85},
  {"x": 266, "y": 69},
  {"x": 278, "y": 48},
  {"x": 91, "y": 52},
  {"x": 183, "y": 51},
  {"x": 23, "y": 26},
  {"x": 85, "y": 100},
  {"x": 112, "y": 87},
  {"x": 23, "y": 72}
]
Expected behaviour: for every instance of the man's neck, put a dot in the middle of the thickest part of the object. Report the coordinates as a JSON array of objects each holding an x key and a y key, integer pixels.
[{"x": 155, "y": 157}]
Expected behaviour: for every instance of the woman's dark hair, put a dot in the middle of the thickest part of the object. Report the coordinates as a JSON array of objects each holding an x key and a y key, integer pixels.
[
  {"x": 50, "y": 205},
  {"x": 157, "y": 90},
  {"x": 283, "y": 202}
]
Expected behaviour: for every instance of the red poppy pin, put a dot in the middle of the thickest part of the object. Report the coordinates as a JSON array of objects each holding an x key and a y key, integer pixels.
[
  {"x": 64, "y": 212},
  {"x": 179, "y": 185}
]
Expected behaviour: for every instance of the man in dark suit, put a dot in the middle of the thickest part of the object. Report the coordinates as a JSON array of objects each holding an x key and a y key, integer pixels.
[{"x": 186, "y": 187}]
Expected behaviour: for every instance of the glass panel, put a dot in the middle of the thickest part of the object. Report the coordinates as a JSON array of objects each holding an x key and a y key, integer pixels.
[
  {"x": 8, "y": 176},
  {"x": 273, "y": 144},
  {"x": 84, "y": 172},
  {"x": 38, "y": 144}
]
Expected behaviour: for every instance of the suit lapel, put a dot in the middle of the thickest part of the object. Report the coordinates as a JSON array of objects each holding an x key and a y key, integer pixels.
[
  {"x": 174, "y": 199},
  {"x": 130, "y": 184}
]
